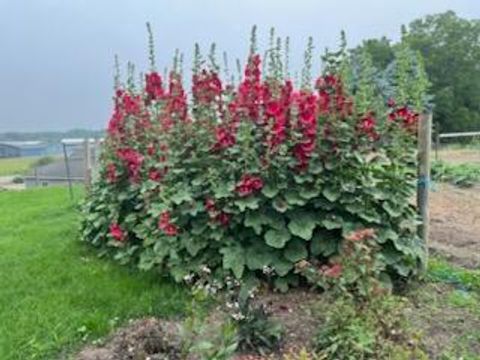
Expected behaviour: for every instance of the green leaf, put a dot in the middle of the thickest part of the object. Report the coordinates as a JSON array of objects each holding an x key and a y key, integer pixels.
[
  {"x": 324, "y": 243},
  {"x": 280, "y": 204},
  {"x": 331, "y": 194},
  {"x": 181, "y": 196},
  {"x": 309, "y": 193},
  {"x": 294, "y": 198},
  {"x": 391, "y": 210},
  {"x": 302, "y": 224},
  {"x": 250, "y": 202},
  {"x": 254, "y": 220},
  {"x": 277, "y": 238},
  {"x": 281, "y": 265},
  {"x": 332, "y": 222},
  {"x": 258, "y": 256},
  {"x": 296, "y": 250},
  {"x": 270, "y": 190},
  {"x": 234, "y": 259}
]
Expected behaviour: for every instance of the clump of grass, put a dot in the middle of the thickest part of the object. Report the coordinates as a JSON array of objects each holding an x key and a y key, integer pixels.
[
  {"x": 462, "y": 175},
  {"x": 440, "y": 270}
]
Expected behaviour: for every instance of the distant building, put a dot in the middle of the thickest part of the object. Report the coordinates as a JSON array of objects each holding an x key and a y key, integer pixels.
[
  {"x": 64, "y": 169},
  {"x": 22, "y": 148}
]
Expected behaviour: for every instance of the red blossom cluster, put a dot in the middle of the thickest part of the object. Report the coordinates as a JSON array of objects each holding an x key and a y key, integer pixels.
[
  {"x": 333, "y": 271},
  {"x": 248, "y": 184},
  {"x": 224, "y": 137},
  {"x": 117, "y": 232},
  {"x": 278, "y": 111},
  {"x": 206, "y": 87},
  {"x": 153, "y": 87},
  {"x": 165, "y": 224},
  {"x": 219, "y": 216},
  {"x": 133, "y": 161},
  {"x": 307, "y": 124},
  {"x": 332, "y": 96},
  {"x": 360, "y": 235},
  {"x": 111, "y": 173},
  {"x": 248, "y": 100},
  {"x": 367, "y": 126},
  {"x": 406, "y": 116}
]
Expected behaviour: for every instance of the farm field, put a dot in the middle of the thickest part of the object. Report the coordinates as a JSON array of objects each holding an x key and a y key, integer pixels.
[
  {"x": 57, "y": 295},
  {"x": 55, "y": 292},
  {"x": 16, "y": 166}
]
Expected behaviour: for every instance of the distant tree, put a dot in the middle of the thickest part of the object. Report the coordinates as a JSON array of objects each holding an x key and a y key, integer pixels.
[
  {"x": 380, "y": 50},
  {"x": 450, "y": 46}
]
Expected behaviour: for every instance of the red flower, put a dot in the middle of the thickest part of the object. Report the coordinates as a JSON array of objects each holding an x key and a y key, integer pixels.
[
  {"x": 307, "y": 123},
  {"x": 391, "y": 102},
  {"x": 133, "y": 160},
  {"x": 153, "y": 88},
  {"x": 210, "y": 205},
  {"x": 155, "y": 175},
  {"x": 111, "y": 173},
  {"x": 367, "y": 126},
  {"x": 223, "y": 218},
  {"x": 166, "y": 225},
  {"x": 334, "y": 271},
  {"x": 170, "y": 230},
  {"x": 224, "y": 137},
  {"x": 116, "y": 232},
  {"x": 248, "y": 185},
  {"x": 131, "y": 104},
  {"x": 207, "y": 87}
]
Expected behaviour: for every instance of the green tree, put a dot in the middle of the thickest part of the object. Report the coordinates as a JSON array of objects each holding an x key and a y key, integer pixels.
[{"x": 450, "y": 46}]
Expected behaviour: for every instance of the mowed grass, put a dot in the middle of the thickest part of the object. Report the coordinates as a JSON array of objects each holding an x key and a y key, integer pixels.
[
  {"x": 54, "y": 291},
  {"x": 16, "y": 166}
]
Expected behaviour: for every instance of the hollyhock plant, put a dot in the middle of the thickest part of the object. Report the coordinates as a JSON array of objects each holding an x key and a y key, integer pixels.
[{"x": 257, "y": 172}]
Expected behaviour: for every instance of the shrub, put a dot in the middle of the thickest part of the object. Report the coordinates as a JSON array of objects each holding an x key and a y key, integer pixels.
[{"x": 256, "y": 175}]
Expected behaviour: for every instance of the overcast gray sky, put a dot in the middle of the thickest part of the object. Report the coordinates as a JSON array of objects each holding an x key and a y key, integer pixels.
[{"x": 56, "y": 56}]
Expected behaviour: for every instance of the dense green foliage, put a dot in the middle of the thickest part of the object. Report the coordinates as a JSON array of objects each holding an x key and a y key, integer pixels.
[
  {"x": 260, "y": 175},
  {"x": 56, "y": 293},
  {"x": 450, "y": 46}
]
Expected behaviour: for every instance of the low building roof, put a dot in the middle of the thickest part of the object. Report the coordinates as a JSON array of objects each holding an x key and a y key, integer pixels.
[{"x": 24, "y": 144}]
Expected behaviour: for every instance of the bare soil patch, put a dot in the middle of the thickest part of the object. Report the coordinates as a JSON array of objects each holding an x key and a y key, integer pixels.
[
  {"x": 455, "y": 224},
  {"x": 460, "y": 156}
]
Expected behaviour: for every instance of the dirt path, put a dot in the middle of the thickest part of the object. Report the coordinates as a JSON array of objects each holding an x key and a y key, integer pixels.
[
  {"x": 6, "y": 183},
  {"x": 455, "y": 224}
]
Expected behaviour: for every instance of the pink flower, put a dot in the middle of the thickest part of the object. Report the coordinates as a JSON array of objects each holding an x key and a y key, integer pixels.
[
  {"x": 111, "y": 173},
  {"x": 334, "y": 271},
  {"x": 153, "y": 88},
  {"x": 116, "y": 232},
  {"x": 225, "y": 138},
  {"x": 166, "y": 225},
  {"x": 248, "y": 185},
  {"x": 133, "y": 161}
]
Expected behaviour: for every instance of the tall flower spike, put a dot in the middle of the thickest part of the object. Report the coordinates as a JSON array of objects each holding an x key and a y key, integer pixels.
[{"x": 151, "y": 48}]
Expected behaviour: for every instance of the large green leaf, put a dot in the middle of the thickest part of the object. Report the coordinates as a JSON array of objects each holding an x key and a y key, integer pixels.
[
  {"x": 277, "y": 238},
  {"x": 331, "y": 193},
  {"x": 302, "y": 224},
  {"x": 324, "y": 243},
  {"x": 296, "y": 250},
  {"x": 234, "y": 259},
  {"x": 258, "y": 256}
]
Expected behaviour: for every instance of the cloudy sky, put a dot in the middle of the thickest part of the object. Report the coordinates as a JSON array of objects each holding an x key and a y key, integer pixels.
[{"x": 56, "y": 56}]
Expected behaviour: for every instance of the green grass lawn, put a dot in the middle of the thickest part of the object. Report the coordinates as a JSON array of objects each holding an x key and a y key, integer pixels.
[
  {"x": 54, "y": 291},
  {"x": 16, "y": 166}
]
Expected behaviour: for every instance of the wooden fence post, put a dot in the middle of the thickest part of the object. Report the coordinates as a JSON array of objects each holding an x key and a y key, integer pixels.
[
  {"x": 423, "y": 185},
  {"x": 88, "y": 165}
]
